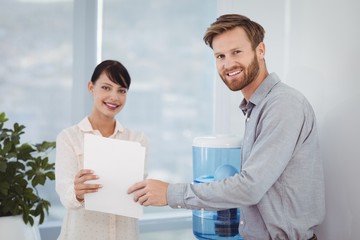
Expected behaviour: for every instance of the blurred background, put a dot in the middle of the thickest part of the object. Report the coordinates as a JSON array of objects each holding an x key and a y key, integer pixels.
[{"x": 49, "y": 49}]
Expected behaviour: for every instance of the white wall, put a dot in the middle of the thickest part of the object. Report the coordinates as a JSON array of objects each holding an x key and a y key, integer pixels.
[{"x": 313, "y": 46}]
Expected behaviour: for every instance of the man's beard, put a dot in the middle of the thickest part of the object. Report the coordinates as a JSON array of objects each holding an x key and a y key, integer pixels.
[{"x": 250, "y": 74}]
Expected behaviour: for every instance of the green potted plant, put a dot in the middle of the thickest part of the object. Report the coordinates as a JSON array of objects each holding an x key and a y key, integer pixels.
[{"x": 23, "y": 167}]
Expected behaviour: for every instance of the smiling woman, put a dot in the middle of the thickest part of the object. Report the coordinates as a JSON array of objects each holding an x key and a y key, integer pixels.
[{"x": 106, "y": 86}]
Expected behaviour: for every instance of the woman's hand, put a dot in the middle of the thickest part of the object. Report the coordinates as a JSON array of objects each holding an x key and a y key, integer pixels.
[{"x": 80, "y": 185}]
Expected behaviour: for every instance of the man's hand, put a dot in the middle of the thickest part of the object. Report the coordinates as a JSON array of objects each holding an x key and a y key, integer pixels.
[{"x": 150, "y": 192}]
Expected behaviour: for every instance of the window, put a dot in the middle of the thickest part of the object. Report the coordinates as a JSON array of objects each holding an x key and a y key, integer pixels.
[
  {"x": 172, "y": 70},
  {"x": 36, "y": 71}
]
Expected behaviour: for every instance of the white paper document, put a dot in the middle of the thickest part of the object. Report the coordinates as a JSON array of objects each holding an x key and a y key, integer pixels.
[{"x": 119, "y": 164}]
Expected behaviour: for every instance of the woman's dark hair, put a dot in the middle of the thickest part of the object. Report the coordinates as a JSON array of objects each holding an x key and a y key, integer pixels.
[
  {"x": 254, "y": 31},
  {"x": 114, "y": 70}
]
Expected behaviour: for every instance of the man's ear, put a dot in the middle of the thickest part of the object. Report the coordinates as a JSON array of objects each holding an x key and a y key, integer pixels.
[{"x": 260, "y": 50}]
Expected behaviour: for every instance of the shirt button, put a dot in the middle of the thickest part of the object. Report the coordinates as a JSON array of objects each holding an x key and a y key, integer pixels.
[
  {"x": 178, "y": 206},
  {"x": 242, "y": 222}
]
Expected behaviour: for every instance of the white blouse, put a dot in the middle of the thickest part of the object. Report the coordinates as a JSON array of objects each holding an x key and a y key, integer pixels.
[{"x": 79, "y": 223}]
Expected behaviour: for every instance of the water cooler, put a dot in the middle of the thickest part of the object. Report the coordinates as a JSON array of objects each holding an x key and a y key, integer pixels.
[{"x": 215, "y": 158}]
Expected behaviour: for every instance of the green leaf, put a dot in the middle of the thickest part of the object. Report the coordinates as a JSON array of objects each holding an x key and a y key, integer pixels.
[
  {"x": 44, "y": 146},
  {"x": 11, "y": 155},
  {"x": 38, "y": 179},
  {"x": 18, "y": 128},
  {"x": 25, "y": 218},
  {"x": 8, "y": 145},
  {"x": 29, "y": 194},
  {"x": 46, "y": 205},
  {"x": 4, "y": 188},
  {"x": 18, "y": 165},
  {"x": 31, "y": 220},
  {"x": 50, "y": 166},
  {"x": 50, "y": 175},
  {"x": 3, "y": 166},
  {"x": 3, "y": 118}
]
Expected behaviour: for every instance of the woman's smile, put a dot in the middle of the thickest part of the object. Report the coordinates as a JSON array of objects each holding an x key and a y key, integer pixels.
[{"x": 111, "y": 106}]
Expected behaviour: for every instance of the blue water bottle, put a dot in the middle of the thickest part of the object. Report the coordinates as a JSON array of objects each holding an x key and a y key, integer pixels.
[{"x": 215, "y": 158}]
